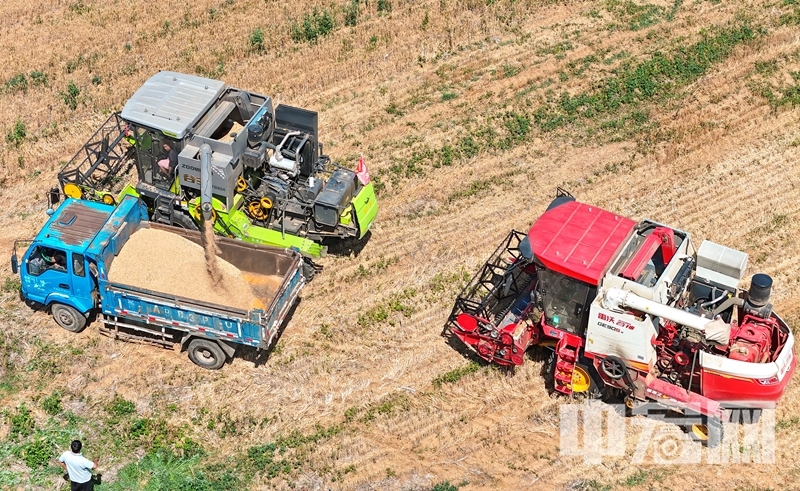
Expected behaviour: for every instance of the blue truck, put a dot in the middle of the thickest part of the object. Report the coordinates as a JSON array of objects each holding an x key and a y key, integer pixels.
[{"x": 65, "y": 270}]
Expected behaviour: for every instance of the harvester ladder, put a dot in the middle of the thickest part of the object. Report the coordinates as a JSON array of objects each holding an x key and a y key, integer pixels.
[
  {"x": 162, "y": 212},
  {"x": 566, "y": 353}
]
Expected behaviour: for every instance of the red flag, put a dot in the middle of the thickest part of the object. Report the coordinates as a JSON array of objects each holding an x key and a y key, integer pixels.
[{"x": 362, "y": 172}]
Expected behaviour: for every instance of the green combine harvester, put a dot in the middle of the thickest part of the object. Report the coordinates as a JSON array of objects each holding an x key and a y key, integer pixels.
[{"x": 271, "y": 183}]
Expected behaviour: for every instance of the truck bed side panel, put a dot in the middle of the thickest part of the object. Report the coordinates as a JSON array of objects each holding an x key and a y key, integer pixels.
[
  {"x": 164, "y": 311},
  {"x": 280, "y": 306}
]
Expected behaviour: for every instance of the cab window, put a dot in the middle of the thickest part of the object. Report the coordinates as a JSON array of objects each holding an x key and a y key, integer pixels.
[
  {"x": 78, "y": 265},
  {"x": 46, "y": 258},
  {"x": 157, "y": 157},
  {"x": 565, "y": 300}
]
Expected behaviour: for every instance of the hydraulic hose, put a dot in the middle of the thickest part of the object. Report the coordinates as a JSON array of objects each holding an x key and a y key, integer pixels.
[{"x": 712, "y": 302}]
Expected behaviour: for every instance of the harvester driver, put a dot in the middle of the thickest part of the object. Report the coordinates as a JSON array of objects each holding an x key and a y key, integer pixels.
[{"x": 170, "y": 161}]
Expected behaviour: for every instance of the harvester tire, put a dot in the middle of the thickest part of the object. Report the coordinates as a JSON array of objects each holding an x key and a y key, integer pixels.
[
  {"x": 715, "y": 427},
  {"x": 183, "y": 221},
  {"x": 584, "y": 383},
  {"x": 744, "y": 416},
  {"x": 309, "y": 269},
  {"x": 709, "y": 432},
  {"x": 584, "y": 378},
  {"x": 206, "y": 354},
  {"x": 68, "y": 318}
]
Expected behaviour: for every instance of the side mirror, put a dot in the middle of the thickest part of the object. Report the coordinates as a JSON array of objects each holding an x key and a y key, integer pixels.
[
  {"x": 14, "y": 264},
  {"x": 53, "y": 196}
]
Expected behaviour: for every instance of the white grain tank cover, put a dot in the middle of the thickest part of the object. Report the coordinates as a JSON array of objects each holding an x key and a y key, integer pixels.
[
  {"x": 172, "y": 102},
  {"x": 721, "y": 265}
]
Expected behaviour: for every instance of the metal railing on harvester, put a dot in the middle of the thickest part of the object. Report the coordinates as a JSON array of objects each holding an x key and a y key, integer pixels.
[
  {"x": 497, "y": 285},
  {"x": 103, "y": 161}
]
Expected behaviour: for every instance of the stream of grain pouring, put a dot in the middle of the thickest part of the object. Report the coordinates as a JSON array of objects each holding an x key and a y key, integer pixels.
[{"x": 211, "y": 250}]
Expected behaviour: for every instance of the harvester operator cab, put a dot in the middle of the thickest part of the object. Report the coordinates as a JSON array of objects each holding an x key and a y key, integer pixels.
[
  {"x": 565, "y": 300},
  {"x": 157, "y": 157}
]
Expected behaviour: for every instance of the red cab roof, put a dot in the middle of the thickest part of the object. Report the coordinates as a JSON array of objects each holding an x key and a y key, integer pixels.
[{"x": 579, "y": 240}]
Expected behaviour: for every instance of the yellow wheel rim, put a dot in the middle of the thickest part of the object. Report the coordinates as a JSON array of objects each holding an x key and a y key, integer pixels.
[
  {"x": 198, "y": 213},
  {"x": 580, "y": 380},
  {"x": 108, "y": 199},
  {"x": 241, "y": 184},
  {"x": 73, "y": 191},
  {"x": 266, "y": 203},
  {"x": 700, "y": 432},
  {"x": 256, "y": 210}
]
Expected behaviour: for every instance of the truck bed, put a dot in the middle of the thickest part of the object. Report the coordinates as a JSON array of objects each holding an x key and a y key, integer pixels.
[
  {"x": 273, "y": 274},
  {"x": 264, "y": 268}
]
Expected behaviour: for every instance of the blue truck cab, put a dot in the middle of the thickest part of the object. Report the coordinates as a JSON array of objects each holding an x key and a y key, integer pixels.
[{"x": 65, "y": 270}]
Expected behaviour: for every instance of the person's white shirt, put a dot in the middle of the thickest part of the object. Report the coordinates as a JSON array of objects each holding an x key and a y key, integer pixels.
[{"x": 78, "y": 466}]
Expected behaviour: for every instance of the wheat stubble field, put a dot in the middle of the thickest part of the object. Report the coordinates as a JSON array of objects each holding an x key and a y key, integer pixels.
[{"x": 469, "y": 113}]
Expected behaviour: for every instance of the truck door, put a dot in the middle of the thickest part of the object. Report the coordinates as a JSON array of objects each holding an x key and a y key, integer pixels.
[
  {"x": 46, "y": 269},
  {"x": 82, "y": 283}
]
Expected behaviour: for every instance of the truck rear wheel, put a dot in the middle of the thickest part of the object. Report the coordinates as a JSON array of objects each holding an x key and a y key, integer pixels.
[
  {"x": 68, "y": 318},
  {"x": 207, "y": 354}
]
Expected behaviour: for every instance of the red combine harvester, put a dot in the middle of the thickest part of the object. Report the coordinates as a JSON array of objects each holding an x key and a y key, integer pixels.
[{"x": 630, "y": 309}]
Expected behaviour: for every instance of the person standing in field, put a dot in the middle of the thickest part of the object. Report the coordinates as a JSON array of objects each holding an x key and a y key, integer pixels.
[{"x": 78, "y": 467}]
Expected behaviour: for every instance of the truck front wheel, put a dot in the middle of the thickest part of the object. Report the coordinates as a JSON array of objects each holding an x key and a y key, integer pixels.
[
  {"x": 206, "y": 354},
  {"x": 68, "y": 318}
]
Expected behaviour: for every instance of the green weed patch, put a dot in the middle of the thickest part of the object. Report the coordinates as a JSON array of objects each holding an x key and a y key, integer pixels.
[
  {"x": 652, "y": 80},
  {"x": 455, "y": 375}
]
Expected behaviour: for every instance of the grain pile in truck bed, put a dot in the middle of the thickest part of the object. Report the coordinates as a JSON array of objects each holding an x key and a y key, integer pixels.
[{"x": 167, "y": 263}]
